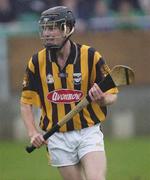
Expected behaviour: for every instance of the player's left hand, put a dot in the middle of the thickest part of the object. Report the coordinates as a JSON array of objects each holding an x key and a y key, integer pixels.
[{"x": 97, "y": 95}]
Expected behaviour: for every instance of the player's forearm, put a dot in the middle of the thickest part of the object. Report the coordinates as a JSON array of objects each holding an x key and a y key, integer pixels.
[
  {"x": 28, "y": 118},
  {"x": 110, "y": 99},
  {"x": 107, "y": 99}
]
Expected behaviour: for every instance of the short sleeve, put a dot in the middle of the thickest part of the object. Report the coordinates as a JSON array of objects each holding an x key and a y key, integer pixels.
[
  {"x": 30, "y": 93},
  {"x": 102, "y": 70}
]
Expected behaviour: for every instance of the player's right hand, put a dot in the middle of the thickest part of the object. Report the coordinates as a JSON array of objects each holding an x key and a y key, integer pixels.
[{"x": 37, "y": 140}]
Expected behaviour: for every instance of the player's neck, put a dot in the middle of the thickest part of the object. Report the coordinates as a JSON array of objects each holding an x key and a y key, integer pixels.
[{"x": 62, "y": 55}]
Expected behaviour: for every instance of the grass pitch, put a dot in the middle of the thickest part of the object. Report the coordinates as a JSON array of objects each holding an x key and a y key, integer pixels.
[{"x": 127, "y": 160}]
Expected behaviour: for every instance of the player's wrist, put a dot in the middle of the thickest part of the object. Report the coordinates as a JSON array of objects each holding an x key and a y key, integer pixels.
[
  {"x": 102, "y": 102},
  {"x": 32, "y": 133},
  {"x": 108, "y": 99}
]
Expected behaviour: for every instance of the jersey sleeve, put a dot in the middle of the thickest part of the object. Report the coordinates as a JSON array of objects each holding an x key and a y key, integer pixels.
[
  {"x": 30, "y": 93},
  {"x": 102, "y": 70}
]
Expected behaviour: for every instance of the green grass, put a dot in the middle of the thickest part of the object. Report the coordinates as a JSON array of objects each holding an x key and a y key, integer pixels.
[
  {"x": 16, "y": 164},
  {"x": 127, "y": 160}
]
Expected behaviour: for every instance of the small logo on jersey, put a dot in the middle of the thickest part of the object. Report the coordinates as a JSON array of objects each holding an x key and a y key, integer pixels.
[
  {"x": 77, "y": 77},
  {"x": 49, "y": 79},
  {"x": 105, "y": 70},
  {"x": 25, "y": 82},
  {"x": 65, "y": 96}
]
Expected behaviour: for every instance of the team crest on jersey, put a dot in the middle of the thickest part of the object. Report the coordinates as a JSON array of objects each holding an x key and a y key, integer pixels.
[
  {"x": 77, "y": 77},
  {"x": 105, "y": 69},
  {"x": 49, "y": 79},
  {"x": 25, "y": 82},
  {"x": 65, "y": 96}
]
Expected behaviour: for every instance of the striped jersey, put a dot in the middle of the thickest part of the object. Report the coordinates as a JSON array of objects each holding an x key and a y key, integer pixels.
[{"x": 56, "y": 91}]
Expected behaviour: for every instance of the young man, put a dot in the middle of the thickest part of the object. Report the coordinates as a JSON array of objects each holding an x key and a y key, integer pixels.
[{"x": 56, "y": 79}]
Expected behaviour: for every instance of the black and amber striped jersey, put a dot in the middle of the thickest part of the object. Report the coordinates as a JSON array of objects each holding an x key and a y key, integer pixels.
[{"x": 56, "y": 91}]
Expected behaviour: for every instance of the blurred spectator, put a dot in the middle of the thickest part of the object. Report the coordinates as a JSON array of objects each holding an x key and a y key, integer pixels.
[
  {"x": 85, "y": 8},
  {"x": 125, "y": 8},
  {"x": 29, "y": 10},
  {"x": 102, "y": 17},
  {"x": 115, "y": 4},
  {"x": 127, "y": 12},
  {"x": 7, "y": 10},
  {"x": 101, "y": 9},
  {"x": 145, "y": 5}
]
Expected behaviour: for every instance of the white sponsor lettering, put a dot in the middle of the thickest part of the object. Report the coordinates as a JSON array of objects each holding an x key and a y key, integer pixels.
[{"x": 64, "y": 97}]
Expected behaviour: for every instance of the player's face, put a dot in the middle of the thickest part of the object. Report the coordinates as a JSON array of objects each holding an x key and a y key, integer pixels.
[{"x": 52, "y": 33}]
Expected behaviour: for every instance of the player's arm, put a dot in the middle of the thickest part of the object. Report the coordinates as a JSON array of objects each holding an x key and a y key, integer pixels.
[
  {"x": 101, "y": 70},
  {"x": 28, "y": 118}
]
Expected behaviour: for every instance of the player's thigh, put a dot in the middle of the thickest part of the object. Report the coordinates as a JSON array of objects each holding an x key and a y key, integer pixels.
[
  {"x": 94, "y": 164},
  {"x": 72, "y": 172}
]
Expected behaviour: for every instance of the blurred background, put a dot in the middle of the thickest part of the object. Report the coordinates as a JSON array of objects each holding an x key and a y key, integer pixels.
[{"x": 118, "y": 29}]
